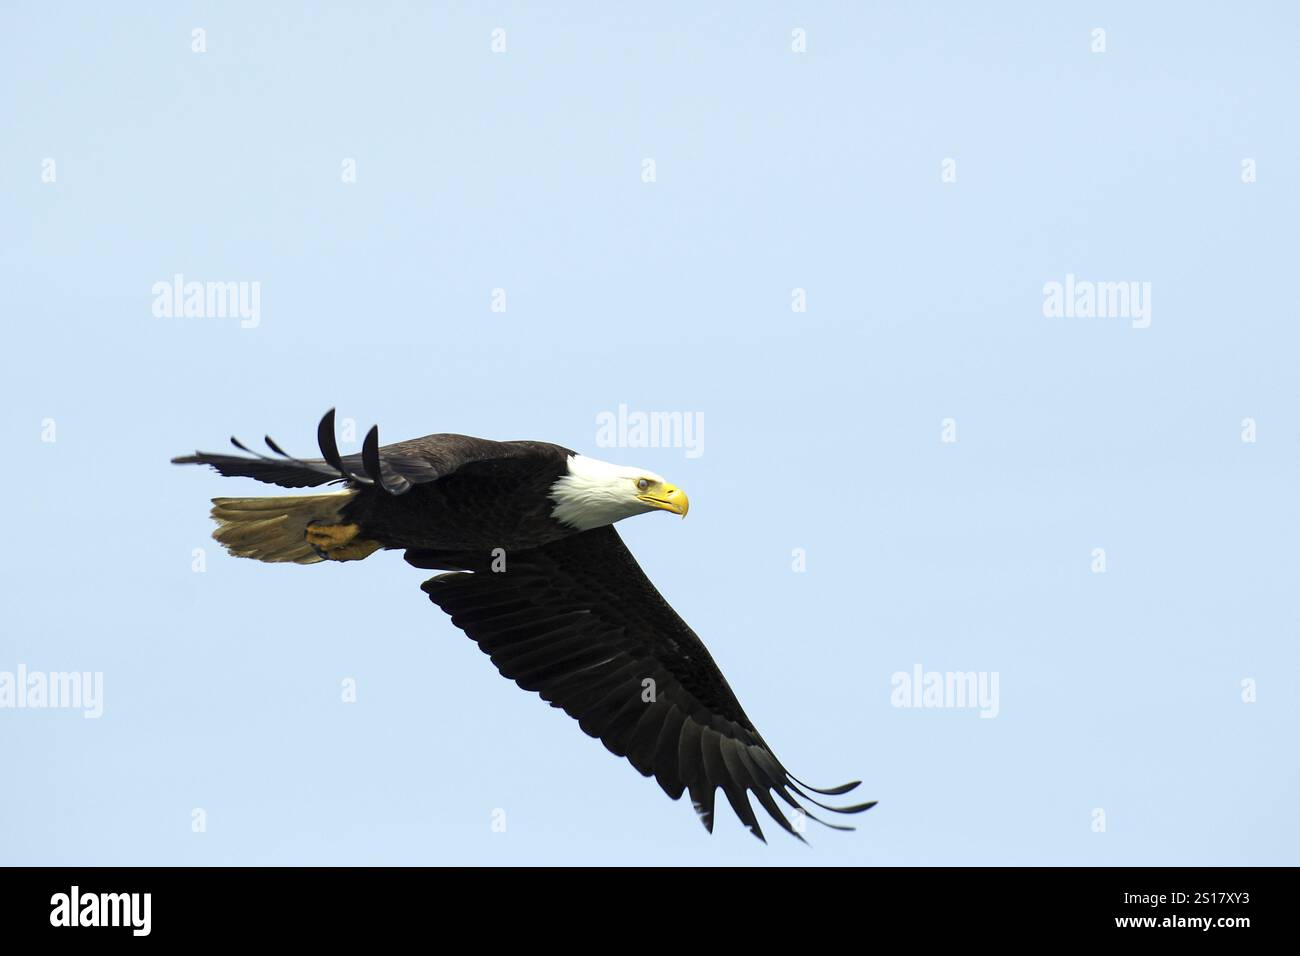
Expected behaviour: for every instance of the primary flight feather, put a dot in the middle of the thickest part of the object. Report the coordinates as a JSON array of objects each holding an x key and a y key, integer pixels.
[{"x": 536, "y": 575}]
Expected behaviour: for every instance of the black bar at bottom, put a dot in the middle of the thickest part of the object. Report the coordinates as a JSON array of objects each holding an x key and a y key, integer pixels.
[{"x": 237, "y": 904}]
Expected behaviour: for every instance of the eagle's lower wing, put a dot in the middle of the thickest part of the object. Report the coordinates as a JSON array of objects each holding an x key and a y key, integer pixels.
[
  {"x": 578, "y": 622},
  {"x": 393, "y": 468}
]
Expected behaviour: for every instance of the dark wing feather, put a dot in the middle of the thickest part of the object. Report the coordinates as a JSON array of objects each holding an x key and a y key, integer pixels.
[
  {"x": 578, "y": 622},
  {"x": 394, "y": 468}
]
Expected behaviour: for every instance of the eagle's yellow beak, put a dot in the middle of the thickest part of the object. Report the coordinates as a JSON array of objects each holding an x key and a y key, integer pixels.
[{"x": 668, "y": 498}]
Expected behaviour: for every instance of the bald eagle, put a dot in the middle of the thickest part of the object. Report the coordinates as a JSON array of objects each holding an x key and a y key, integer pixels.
[{"x": 536, "y": 575}]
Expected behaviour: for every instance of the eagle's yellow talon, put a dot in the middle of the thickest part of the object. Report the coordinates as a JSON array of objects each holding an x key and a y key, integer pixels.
[
  {"x": 337, "y": 542},
  {"x": 355, "y": 551}
]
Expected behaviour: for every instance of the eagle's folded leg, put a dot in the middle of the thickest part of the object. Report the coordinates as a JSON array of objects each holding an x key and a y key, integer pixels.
[{"x": 338, "y": 542}]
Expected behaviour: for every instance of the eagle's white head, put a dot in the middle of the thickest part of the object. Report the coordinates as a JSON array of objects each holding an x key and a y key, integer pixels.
[{"x": 596, "y": 493}]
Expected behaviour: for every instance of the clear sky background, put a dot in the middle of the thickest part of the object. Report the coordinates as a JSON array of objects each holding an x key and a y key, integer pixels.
[{"x": 1120, "y": 691}]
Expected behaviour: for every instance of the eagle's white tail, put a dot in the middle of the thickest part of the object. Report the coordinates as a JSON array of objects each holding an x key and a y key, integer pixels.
[{"x": 275, "y": 529}]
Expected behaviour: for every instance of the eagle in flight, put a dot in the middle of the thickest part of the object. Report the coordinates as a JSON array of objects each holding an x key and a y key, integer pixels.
[{"x": 536, "y": 575}]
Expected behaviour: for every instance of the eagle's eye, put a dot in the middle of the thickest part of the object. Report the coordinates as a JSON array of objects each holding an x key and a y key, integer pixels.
[{"x": 643, "y": 483}]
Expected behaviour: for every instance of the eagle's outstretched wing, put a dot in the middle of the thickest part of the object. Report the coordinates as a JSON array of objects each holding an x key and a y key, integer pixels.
[
  {"x": 578, "y": 622},
  {"x": 393, "y": 468}
]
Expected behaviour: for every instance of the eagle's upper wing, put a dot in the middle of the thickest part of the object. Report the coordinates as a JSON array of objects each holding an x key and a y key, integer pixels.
[
  {"x": 393, "y": 468},
  {"x": 578, "y": 621}
]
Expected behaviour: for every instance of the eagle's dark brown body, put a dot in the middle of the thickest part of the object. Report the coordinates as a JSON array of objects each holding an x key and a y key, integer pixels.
[{"x": 497, "y": 503}]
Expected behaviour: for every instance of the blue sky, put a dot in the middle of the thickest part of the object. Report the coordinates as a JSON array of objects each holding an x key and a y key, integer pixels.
[{"x": 1120, "y": 692}]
